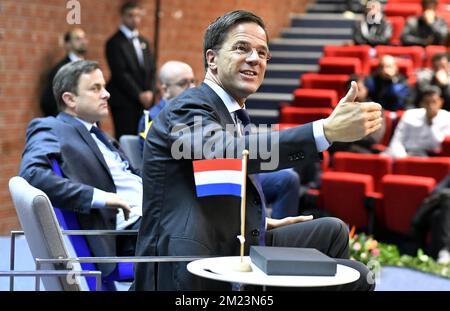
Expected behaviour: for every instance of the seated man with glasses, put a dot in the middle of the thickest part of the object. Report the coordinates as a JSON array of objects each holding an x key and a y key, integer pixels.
[{"x": 174, "y": 78}]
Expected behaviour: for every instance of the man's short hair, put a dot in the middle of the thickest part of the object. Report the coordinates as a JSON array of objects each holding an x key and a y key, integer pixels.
[
  {"x": 217, "y": 32},
  {"x": 67, "y": 79},
  {"x": 426, "y": 3},
  {"x": 438, "y": 56},
  {"x": 67, "y": 36},
  {"x": 429, "y": 91},
  {"x": 129, "y": 5}
]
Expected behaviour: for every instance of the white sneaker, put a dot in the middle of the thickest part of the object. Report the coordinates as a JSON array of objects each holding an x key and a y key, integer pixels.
[{"x": 444, "y": 257}]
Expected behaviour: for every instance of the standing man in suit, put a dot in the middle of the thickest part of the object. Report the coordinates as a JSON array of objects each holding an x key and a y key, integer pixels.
[
  {"x": 132, "y": 71},
  {"x": 206, "y": 122},
  {"x": 75, "y": 43},
  {"x": 97, "y": 183}
]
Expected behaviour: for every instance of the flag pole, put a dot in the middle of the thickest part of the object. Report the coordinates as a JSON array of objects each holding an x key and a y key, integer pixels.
[{"x": 243, "y": 266}]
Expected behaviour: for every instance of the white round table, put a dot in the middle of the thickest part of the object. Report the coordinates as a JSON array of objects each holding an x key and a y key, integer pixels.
[{"x": 221, "y": 269}]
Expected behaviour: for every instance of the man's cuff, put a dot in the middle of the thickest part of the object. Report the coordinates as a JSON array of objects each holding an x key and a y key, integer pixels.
[
  {"x": 322, "y": 143},
  {"x": 98, "y": 199}
]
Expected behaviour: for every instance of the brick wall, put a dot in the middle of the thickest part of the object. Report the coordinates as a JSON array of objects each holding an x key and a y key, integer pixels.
[{"x": 31, "y": 42}]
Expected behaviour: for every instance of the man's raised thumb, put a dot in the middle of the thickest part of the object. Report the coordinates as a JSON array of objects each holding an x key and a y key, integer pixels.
[{"x": 351, "y": 94}]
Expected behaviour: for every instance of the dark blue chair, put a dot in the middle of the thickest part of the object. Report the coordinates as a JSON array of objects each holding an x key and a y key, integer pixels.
[{"x": 124, "y": 271}]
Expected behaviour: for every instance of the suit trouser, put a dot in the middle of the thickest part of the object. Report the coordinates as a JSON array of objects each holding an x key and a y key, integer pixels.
[
  {"x": 440, "y": 227},
  {"x": 282, "y": 190},
  {"x": 328, "y": 235},
  {"x": 126, "y": 244}
]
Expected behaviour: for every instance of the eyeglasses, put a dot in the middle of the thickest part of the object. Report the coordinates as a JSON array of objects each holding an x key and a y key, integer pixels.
[
  {"x": 244, "y": 48},
  {"x": 184, "y": 83}
]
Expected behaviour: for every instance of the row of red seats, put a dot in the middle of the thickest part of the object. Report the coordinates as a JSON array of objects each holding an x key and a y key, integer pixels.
[
  {"x": 322, "y": 90},
  {"x": 407, "y": 8},
  {"x": 420, "y": 57},
  {"x": 351, "y": 197},
  {"x": 391, "y": 190},
  {"x": 377, "y": 166}
]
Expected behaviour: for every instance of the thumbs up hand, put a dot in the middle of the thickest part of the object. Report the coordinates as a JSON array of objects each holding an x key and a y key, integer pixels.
[{"x": 350, "y": 120}]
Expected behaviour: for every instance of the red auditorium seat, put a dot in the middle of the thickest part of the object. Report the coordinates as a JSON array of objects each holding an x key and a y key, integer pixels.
[
  {"x": 445, "y": 151},
  {"x": 430, "y": 50},
  {"x": 397, "y": 22},
  {"x": 375, "y": 165},
  {"x": 402, "y": 195},
  {"x": 325, "y": 81},
  {"x": 402, "y": 9},
  {"x": 345, "y": 196},
  {"x": 360, "y": 51},
  {"x": 303, "y": 115},
  {"x": 434, "y": 167},
  {"x": 315, "y": 98},
  {"x": 415, "y": 53},
  {"x": 340, "y": 65}
]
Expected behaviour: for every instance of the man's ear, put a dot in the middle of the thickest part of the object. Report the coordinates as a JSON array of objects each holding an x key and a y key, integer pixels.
[
  {"x": 164, "y": 90},
  {"x": 211, "y": 57},
  {"x": 69, "y": 99}
]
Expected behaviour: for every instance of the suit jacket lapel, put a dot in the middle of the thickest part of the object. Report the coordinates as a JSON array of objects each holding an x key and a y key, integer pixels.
[
  {"x": 218, "y": 104},
  {"x": 86, "y": 136},
  {"x": 225, "y": 118}
]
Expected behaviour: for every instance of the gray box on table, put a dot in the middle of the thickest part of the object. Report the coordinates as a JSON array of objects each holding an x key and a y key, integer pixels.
[{"x": 292, "y": 261}]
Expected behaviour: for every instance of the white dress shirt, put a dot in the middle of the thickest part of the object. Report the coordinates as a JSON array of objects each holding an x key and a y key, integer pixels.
[
  {"x": 133, "y": 35},
  {"x": 414, "y": 136}
]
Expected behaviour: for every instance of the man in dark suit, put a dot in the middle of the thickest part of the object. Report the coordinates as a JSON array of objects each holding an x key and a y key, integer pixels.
[
  {"x": 132, "y": 72},
  {"x": 75, "y": 43},
  {"x": 206, "y": 122},
  {"x": 98, "y": 184}
]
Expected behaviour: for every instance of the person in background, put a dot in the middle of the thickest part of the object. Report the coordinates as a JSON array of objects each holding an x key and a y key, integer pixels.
[
  {"x": 387, "y": 86},
  {"x": 75, "y": 44},
  {"x": 132, "y": 67},
  {"x": 174, "y": 78},
  {"x": 373, "y": 28},
  {"x": 421, "y": 131},
  {"x": 438, "y": 75},
  {"x": 97, "y": 182},
  {"x": 434, "y": 215},
  {"x": 427, "y": 29}
]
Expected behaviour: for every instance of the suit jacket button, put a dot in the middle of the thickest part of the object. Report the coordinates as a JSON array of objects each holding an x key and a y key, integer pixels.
[{"x": 255, "y": 232}]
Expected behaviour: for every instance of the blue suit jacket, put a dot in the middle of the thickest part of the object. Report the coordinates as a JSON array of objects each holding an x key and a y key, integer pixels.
[
  {"x": 175, "y": 221},
  {"x": 83, "y": 166}
]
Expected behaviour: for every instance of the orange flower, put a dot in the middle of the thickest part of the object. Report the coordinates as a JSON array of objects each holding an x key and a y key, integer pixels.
[
  {"x": 371, "y": 244},
  {"x": 352, "y": 232}
]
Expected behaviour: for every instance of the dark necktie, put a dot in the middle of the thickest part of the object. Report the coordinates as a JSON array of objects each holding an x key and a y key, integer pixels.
[
  {"x": 101, "y": 136},
  {"x": 244, "y": 117}
]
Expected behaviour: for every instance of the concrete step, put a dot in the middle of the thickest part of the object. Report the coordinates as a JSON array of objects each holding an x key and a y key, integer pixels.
[
  {"x": 289, "y": 71},
  {"x": 278, "y": 85},
  {"x": 317, "y": 33},
  {"x": 302, "y": 45},
  {"x": 326, "y": 7},
  {"x": 281, "y": 57},
  {"x": 322, "y": 20}
]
